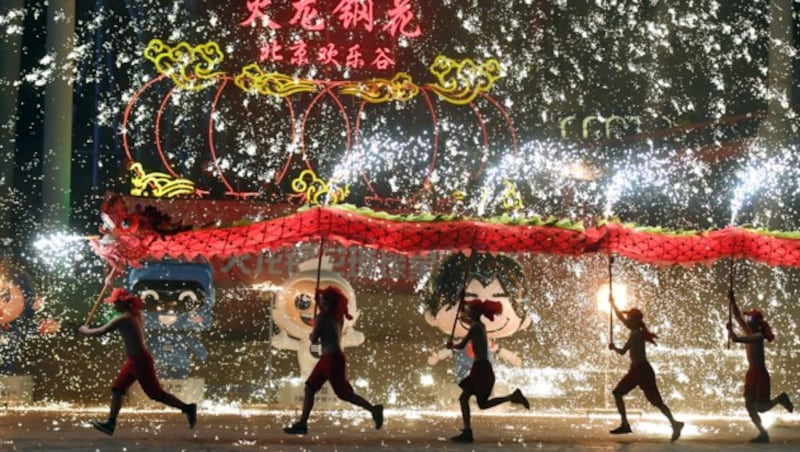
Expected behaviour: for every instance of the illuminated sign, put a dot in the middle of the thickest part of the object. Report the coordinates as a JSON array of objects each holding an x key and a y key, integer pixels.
[
  {"x": 350, "y": 34},
  {"x": 613, "y": 126}
]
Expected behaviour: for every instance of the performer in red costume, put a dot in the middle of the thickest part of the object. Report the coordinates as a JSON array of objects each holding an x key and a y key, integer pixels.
[
  {"x": 480, "y": 380},
  {"x": 139, "y": 364},
  {"x": 757, "y": 384},
  {"x": 331, "y": 365},
  {"x": 640, "y": 373}
]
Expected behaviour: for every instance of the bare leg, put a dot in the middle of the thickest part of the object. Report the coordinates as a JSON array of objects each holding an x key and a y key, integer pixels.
[
  {"x": 623, "y": 414},
  {"x": 189, "y": 409},
  {"x": 357, "y": 400},
  {"x": 115, "y": 406},
  {"x": 624, "y": 427},
  {"x": 301, "y": 426},
  {"x": 375, "y": 410},
  {"x": 489, "y": 403},
  {"x": 308, "y": 404},
  {"x": 677, "y": 426},
  {"x": 465, "y": 414},
  {"x": 752, "y": 410},
  {"x": 782, "y": 399},
  {"x": 466, "y": 434},
  {"x": 666, "y": 412},
  {"x": 170, "y": 400}
]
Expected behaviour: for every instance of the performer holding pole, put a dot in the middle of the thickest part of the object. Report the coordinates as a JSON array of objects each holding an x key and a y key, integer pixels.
[
  {"x": 640, "y": 372},
  {"x": 757, "y": 382},
  {"x": 331, "y": 365},
  {"x": 480, "y": 380},
  {"x": 139, "y": 363}
]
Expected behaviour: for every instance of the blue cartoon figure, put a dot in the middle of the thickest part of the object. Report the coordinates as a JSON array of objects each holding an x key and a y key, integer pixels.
[
  {"x": 178, "y": 298},
  {"x": 491, "y": 277}
]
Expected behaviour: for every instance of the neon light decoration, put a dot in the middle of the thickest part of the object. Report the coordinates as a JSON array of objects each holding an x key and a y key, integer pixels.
[
  {"x": 461, "y": 83},
  {"x": 314, "y": 189},
  {"x": 307, "y": 19},
  {"x": 189, "y": 67},
  {"x": 158, "y": 185},
  {"x": 400, "y": 88}
]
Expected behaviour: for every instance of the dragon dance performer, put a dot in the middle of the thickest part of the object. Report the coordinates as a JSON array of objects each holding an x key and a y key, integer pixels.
[
  {"x": 331, "y": 366},
  {"x": 480, "y": 380},
  {"x": 640, "y": 372},
  {"x": 139, "y": 363},
  {"x": 757, "y": 383}
]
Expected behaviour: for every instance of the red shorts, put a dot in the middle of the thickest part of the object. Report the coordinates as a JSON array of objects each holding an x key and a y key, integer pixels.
[
  {"x": 756, "y": 384},
  {"x": 480, "y": 380},
  {"x": 331, "y": 367},
  {"x": 139, "y": 368},
  {"x": 640, "y": 375}
]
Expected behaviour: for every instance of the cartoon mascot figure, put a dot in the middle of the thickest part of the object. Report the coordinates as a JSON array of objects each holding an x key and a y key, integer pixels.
[
  {"x": 491, "y": 277},
  {"x": 18, "y": 304},
  {"x": 294, "y": 310},
  {"x": 178, "y": 299}
]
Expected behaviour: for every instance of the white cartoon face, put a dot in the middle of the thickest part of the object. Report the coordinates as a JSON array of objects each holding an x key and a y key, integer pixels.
[
  {"x": 297, "y": 308},
  {"x": 12, "y": 301},
  {"x": 294, "y": 305},
  {"x": 504, "y": 324},
  {"x": 507, "y": 322}
]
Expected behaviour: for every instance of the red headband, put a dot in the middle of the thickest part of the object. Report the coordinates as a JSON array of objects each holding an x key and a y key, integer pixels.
[
  {"x": 121, "y": 294},
  {"x": 764, "y": 327}
]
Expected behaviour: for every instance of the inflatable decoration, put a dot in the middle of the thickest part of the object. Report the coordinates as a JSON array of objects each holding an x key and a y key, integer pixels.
[
  {"x": 178, "y": 299},
  {"x": 496, "y": 278},
  {"x": 18, "y": 304}
]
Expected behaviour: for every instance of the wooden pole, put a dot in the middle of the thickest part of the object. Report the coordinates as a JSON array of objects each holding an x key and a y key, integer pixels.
[
  {"x": 319, "y": 272},
  {"x": 315, "y": 349},
  {"x": 93, "y": 311},
  {"x": 461, "y": 292},
  {"x": 730, "y": 291},
  {"x": 610, "y": 298}
]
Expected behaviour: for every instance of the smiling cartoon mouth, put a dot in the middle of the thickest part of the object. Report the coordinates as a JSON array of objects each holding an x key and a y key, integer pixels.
[
  {"x": 498, "y": 329},
  {"x": 307, "y": 320},
  {"x": 465, "y": 325},
  {"x": 167, "y": 319}
]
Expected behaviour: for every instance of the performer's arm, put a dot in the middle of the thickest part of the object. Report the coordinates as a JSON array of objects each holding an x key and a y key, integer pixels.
[
  {"x": 464, "y": 341},
  {"x": 112, "y": 325},
  {"x": 747, "y": 339},
  {"x": 622, "y": 350}
]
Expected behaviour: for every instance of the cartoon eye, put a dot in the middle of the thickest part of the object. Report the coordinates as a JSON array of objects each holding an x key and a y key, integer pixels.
[
  {"x": 188, "y": 298},
  {"x": 302, "y": 301},
  {"x": 149, "y": 296}
]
